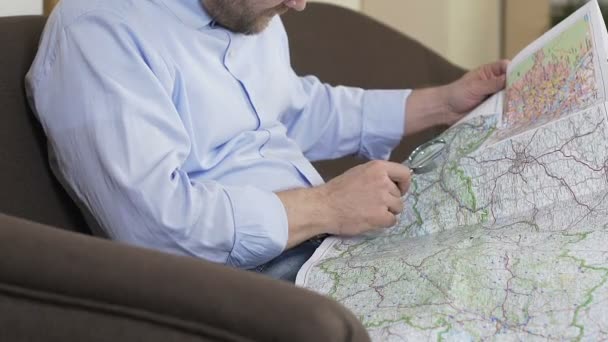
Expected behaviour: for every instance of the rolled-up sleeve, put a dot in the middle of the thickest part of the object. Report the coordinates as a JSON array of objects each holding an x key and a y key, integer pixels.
[
  {"x": 258, "y": 236},
  {"x": 330, "y": 122},
  {"x": 121, "y": 147},
  {"x": 383, "y": 122}
]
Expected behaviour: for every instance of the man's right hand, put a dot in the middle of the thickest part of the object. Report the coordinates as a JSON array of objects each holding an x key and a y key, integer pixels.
[{"x": 364, "y": 198}]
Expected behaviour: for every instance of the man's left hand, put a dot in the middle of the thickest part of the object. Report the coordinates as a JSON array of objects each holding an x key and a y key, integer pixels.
[
  {"x": 475, "y": 86},
  {"x": 447, "y": 104}
]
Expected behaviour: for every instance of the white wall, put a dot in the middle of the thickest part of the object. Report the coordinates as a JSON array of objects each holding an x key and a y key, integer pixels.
[{"x": 20, "y": 7}]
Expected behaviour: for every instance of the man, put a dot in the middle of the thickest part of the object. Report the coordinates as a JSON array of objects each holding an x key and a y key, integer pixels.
[{"x": 179, "y": 125}]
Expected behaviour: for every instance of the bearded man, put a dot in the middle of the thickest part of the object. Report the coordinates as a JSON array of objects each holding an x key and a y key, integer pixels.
[{"x": 180, "y": 125}]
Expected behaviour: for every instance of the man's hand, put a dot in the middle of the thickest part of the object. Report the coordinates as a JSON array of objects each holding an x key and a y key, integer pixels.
[
  {"x": 474, "y": 87},
  {"x": 447, "y": 104},
  {"x": 364, "y": 198}
]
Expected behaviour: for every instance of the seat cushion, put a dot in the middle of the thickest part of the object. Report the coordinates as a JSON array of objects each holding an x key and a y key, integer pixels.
[{"x": 60, "y": 286}]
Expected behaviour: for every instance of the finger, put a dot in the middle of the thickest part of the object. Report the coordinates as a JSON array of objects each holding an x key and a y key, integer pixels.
[
  {"x": 395, "y": 206},
  {"x": 399, "y": 174},
  {"x": 388, "y": 220},
  {"x": 403, "y": 187},
  {"x": 394, "y": 189},
  {"x": 499, "y": 68},
  {"x": 490, "y": 86},
  {"x": 500, "y": 83}
]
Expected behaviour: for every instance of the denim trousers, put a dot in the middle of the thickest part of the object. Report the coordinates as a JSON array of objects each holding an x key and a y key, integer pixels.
[{"x": 286, "y": 266}]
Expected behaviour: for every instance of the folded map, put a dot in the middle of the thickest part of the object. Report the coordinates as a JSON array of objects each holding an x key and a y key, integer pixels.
[{"x": 508, "y": 238}]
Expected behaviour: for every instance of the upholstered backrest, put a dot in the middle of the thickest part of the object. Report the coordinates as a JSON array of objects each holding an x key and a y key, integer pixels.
[
  {"x": 341, "y": 46},
  {"x": 27, "y": 187}
]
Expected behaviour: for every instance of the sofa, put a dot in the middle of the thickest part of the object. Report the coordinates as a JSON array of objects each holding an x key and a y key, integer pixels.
[{"x": 60, "y": 283}]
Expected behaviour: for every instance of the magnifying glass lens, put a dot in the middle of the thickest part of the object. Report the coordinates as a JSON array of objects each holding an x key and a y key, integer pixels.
[
  {"x": 427, "y": 155},
  {"x": 423, "y": 159}
]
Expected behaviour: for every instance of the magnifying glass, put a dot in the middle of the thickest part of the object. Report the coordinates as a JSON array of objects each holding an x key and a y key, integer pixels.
[{"x": 424, "y": 158}]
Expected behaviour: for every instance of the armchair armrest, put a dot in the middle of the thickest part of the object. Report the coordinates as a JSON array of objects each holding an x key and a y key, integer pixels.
[{"x": 62, "y": 286}]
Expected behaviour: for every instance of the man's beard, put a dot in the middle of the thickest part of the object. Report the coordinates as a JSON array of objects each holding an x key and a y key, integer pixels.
[{"x": 237, "y": 16}]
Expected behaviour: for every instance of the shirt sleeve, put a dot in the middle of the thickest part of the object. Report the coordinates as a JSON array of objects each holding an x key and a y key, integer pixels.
[
  {"x": 329, "y": 122},
  {"x": 337, "y": 121},
  {"x": 120, "y": 146}
]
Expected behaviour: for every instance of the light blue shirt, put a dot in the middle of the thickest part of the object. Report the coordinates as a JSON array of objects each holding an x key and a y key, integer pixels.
[{"x": 173, "y": 133}]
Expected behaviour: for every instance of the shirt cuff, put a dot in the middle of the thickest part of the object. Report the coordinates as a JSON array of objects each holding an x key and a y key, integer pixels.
[
  {"x": 383, "y": 122},
  {"x": 260, "y": 225}
]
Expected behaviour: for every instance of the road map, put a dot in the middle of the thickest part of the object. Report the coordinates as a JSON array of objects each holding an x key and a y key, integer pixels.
[
  {"x": 556, "y": 80},
  {"x": 508, "y": 238}
]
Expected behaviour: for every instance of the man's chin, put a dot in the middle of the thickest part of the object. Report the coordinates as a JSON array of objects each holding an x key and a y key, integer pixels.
[{"x": 260, "y": 25}]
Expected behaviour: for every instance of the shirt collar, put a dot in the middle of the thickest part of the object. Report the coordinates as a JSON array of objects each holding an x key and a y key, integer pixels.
[{"x": 190, "y": 12}]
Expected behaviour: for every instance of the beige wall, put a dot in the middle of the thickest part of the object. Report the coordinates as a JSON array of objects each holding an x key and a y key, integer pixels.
[
  {"x": 20, "y": 7},
  {"x": 425, "y": 20},
  {"x": 467, "y": 32},
  {"x": 525, "y": 21},
  {"x": 48, "y": 6},
  {"x": 474, "y": 32},
  {"x": 353, "y": 4}
]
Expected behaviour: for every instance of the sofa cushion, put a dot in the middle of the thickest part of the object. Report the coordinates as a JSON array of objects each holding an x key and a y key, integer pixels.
[{"x": 27, "y": 187}]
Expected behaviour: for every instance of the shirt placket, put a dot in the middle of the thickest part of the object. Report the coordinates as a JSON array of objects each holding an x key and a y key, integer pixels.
[{"x": 239, "y": 71}]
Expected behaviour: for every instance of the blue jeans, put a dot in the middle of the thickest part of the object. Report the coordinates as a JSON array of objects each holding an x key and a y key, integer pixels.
[{"x": 286, "y": 266}]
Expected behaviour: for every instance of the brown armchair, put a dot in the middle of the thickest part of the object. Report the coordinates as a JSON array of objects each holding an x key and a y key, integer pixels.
[{"x": 58, "y": 283}]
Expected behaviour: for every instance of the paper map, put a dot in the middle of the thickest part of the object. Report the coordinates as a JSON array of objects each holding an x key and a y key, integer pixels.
[{"x": 508, "y": 238}]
